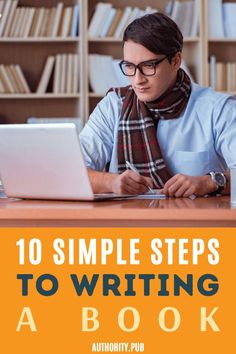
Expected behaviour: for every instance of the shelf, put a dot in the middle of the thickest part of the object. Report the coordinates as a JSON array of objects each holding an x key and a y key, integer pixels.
[
  {"x": 222, "y": 40},
  {"x": 229, "y": 93},
  {"x": 39, "y": 39},
  {"x": 96, "y": 95},
  {"x": 37, "y": 96},
  {"x": 113, "y": 39}
]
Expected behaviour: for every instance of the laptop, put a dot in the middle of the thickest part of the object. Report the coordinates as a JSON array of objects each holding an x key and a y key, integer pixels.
[{"x": 45, "y": 161}]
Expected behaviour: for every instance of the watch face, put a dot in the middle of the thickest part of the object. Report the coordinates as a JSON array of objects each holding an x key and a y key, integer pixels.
[{"x": 220, "y": 179}]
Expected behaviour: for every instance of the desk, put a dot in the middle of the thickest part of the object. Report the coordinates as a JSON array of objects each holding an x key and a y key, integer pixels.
[{"x": 173, "y": 212}]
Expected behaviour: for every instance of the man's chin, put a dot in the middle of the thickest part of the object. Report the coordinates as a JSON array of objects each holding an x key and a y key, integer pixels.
[{"x": 145, "y": 96}]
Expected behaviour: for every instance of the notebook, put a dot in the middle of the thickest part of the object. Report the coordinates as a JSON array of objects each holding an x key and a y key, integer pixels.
[{"x": 45, "y": 161}]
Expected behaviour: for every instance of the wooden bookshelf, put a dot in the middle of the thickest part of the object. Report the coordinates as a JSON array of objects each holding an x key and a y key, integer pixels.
[
  {"x": 224, "y": 49},
  {"x": 31, "y": 54}
]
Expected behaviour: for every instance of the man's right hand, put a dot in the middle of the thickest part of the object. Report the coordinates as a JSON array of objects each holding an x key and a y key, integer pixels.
[
  {"x": 130, "y": 182},
  {"x": 127, "y": 182}
]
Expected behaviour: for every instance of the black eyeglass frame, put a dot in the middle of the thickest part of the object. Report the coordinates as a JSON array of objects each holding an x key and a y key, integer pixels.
[{"x": 154, "y": 62}]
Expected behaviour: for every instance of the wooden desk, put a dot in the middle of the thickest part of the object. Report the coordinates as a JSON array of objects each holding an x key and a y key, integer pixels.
[{"x": 212, "y": 211}]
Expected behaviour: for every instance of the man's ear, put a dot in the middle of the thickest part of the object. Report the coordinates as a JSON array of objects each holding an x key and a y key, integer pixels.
[{"x": 176, "y": 60}]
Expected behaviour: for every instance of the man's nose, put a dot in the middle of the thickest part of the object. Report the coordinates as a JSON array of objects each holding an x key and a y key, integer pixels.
[{"x": 139, "y": 77}]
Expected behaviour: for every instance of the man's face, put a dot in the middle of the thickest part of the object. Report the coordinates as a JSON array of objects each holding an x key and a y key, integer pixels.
[{"x": 149, "y": 88}]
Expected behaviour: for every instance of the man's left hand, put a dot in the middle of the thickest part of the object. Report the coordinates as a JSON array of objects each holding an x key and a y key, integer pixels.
[{"x": 182, "y": 185}]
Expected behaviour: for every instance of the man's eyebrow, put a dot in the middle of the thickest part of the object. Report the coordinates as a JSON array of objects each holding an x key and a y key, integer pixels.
[{"x": 142, "y": 62}]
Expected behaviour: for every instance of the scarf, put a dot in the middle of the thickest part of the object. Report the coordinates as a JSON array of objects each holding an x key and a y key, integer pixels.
[{"x": 137, "y": 138}]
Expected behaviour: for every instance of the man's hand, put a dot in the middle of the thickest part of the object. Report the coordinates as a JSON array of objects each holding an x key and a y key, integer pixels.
[
  {"x": 130, "y": 182},
  {"x": 183, "y": 186}
]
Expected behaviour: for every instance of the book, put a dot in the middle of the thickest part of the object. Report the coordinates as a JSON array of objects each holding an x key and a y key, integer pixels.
[
  {"x": 22, "y": 79},
  {"x": 39, "y": 22},
  {"x": 212, "y": 71},
  {"x": 215, "y": 19},
  {"x": 95, "y": 75},
  {"x": 2, "y": 90},
  {"x": 229, "y": 17},
  {"x": 11, "y": 78},
  {"x": 182, "y": 14},
  {"x": 45, "y": 77},
  {"x": 121, "y": 79},
  {"x": 29, "y": 22},
  {"x": 104, "y": 73},
  {"x": 52, "y": 13},
  {"x": 75, "y": 77},
  {"x": 106, "y": 12},
  {"x": 2, "y": 3},
  {"x": 20, "y": 88},
  {"x": 23, "y": 21},
  {"x": 44, "y": 26},
  {"x": 221, "y": 76},
  {"x": 75, "y": 22},
  {"x": 66, "y": 22},
  {"x": 63, "y": 73},
  {"x": 57, "y": 72},
  {"x": 135, "y": 13},
  {"x": 5, "y": 15},
  {"x": 57, "y": 20},
  {"x": 123, "y": 21},
  {"x": 9, "y": 88},
  {"x": 195, "y": 19},
  {"x": 98, "y": 18},
  {"x": 10, "y": 18},
  {"x": 70, "y": 73},
  {"x": 34, "y": 22},
  {"x": 3, "y": 84},
  {"x": 115, "y": 22},
  {"x": 107, "y": 24}
]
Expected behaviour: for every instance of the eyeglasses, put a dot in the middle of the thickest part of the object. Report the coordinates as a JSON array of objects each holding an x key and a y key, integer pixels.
[{"x": 147, "y": 68}]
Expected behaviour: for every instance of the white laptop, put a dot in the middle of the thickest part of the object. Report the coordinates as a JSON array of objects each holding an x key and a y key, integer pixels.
[{"x": 44, "y": 161}]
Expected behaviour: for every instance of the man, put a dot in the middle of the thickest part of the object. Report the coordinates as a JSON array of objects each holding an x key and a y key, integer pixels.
[{"x": 180, "y": 137}]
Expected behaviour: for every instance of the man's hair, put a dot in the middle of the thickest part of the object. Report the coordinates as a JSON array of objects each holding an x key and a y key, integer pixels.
[{"x": 156, "y": 32}]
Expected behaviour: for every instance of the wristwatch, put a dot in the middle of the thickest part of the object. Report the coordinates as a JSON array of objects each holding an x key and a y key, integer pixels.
[{"x": 220, "y": 181}]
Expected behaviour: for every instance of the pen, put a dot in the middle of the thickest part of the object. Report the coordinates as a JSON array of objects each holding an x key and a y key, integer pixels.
[{"x": 134, "y": 169}]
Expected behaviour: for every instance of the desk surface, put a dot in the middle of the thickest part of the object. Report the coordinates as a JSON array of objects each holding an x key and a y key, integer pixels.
[{"x": 212, "y": 211}]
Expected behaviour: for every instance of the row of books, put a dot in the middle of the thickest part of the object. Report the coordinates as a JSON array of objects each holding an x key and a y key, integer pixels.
[
  {"x": 12, "y": 80},
  {"x": 108, "y": 21},
  {"x": 60, "y": 75},
  {"x": 104, "y": 73},
  {"x": 186, "y": 15},
  {"x": 23, "y": 21},
  {"x": 221, "y": 19},
  {"x": 62, "y": 72},
  {"x": 222, "y": 75}
]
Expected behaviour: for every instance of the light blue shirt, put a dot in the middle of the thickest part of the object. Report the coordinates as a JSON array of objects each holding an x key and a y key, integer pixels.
[{"x": 202, "y": 139}]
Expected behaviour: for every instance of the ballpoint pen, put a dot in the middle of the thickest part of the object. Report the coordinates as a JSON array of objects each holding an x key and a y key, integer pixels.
[{"x": 134, "y": 169}]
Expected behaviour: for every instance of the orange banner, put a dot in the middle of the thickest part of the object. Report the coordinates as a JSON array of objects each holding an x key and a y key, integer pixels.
[{"x": 80, "y": 290}]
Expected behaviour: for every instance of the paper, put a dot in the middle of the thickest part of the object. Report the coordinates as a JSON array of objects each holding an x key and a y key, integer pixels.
[{"x": 150, "y": 195}]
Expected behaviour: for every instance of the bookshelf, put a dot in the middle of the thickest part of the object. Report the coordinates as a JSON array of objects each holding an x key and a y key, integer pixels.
[
  {"x": 31, "y": 53},
  {"x": 223, "y": 48}
]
